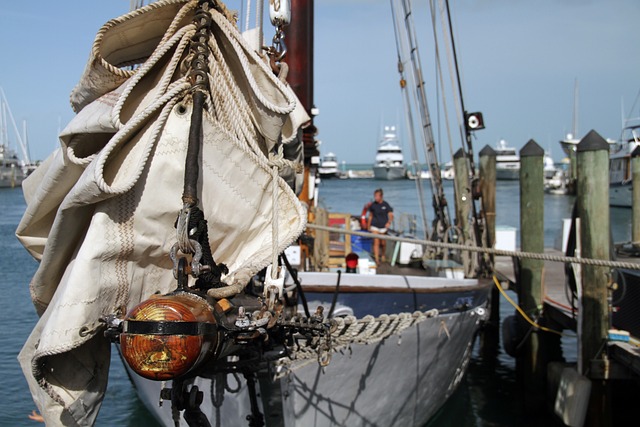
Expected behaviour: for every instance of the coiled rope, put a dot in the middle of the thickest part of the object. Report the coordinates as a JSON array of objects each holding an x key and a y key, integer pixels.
[{"x": 349, "y": 330}]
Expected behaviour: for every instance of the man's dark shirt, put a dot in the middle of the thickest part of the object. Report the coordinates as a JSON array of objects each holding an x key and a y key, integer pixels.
[{"x": 380, "y": 213}]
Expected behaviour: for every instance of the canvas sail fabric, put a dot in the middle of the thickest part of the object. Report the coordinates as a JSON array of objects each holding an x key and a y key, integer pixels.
[{"x": 101, "y": 209}]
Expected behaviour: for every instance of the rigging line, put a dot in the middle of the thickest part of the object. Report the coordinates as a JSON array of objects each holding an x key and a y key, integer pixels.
[
  {"x": 490, "y": 251},
  {"x": 466, "y": 137},
  {"x": 524, "y": 315},
  {"x": 247, "y": 15},
  {"x": 457, "y": 71},
  {"x": 294, "y": 276},
  {"x": 441, "y": 78},
  {"x": 442, "y": 220},
  {"x": 456, "y": 95},
  {"x": 410, "y": 122},
  {"x": 260, "y": 20},
  {"x": 447, "y": 121},
  {"x": 334, "y": 300}
]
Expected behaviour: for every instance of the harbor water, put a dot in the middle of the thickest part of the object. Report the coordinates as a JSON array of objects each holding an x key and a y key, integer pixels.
[{"x": 487, "y": 397}]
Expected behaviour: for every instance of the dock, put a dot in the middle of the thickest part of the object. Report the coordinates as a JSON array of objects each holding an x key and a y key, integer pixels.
[
  {"x": 587, "y": 296},
  {"x": 563, "y": 313}
]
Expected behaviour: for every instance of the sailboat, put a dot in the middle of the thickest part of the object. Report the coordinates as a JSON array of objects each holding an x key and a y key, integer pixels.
[
  {"x": 12, "y": 167},
  {"x": 11, "y": 173},
  {"x": 168, "y": 223}
]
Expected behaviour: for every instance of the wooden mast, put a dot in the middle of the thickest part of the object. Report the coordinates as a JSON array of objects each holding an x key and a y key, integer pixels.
[{"x": 299, "y": 41}]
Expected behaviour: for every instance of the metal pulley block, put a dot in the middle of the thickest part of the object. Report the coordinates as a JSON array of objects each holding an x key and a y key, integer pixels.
[
  {"x": 273, "y": 287},
  {"x": 280, "y": 12}
]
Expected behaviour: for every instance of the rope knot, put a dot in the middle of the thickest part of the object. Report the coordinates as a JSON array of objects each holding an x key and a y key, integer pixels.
[{"x": 277, "y": 160}]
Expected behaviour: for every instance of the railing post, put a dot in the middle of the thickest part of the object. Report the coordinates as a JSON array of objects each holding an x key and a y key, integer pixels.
[{"x": 592, "y": 155}]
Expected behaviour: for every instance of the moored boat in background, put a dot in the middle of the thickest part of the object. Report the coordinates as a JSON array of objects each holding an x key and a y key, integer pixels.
[
  {"x": 620, "y": 174},
  {"x": 11, "y": 168},
  {"x": 389, "y": 162},
  {"x": 507, "y": 161},
  {"x": 329, "y": 166}
]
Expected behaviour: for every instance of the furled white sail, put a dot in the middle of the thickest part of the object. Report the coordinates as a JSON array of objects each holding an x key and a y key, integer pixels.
[{"x": 101, "y": 209}]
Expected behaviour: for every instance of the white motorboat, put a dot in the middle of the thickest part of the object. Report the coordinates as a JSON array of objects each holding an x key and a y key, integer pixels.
[
  {"x": 329, "y": 166},
  {"x": 448, "y": 172},
  {"x": 389, "y": 162},
  {"x": 507, "y": 161}
]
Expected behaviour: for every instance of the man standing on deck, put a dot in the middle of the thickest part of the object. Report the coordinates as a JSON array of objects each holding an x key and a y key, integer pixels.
[{"x": 380, "y": 219}]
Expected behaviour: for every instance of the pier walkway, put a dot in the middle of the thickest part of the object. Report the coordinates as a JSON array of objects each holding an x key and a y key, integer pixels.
[{"x": 559, "y": 308}]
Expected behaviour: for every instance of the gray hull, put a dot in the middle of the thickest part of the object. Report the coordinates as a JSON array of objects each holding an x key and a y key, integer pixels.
[
  {"x": 389, "y": 173},
  {"x": 401, "y": 380}
]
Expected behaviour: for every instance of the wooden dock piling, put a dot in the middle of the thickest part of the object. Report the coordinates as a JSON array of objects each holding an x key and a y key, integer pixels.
[
  {"x": 532, "y": 368},
  {"x": 463, "y": 192},
  {"x": 592, "y": 157},
  {"x": 488, "y": 191},
  {"x": 608, "y": 367},
  {"x": 491, "y": 334}
]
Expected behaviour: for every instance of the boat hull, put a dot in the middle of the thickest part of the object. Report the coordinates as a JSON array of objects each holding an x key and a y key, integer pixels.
[
  {"x": 327, "y": 174},
  {"x": 402, "y": 379},
  {"x": 10, "y": 176},
  {"x": 508, "y": 174},
  {"x": 389, "y": 172},
  {"x": 620, "y": 195},
  {"x": 10, "y": 181}
]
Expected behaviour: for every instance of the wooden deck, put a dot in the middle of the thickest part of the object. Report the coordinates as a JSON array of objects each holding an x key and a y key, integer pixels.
[{"x": 558, "y": 307}]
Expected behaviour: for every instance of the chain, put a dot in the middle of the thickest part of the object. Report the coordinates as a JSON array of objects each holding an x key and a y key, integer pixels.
[{"x": 278, "y": 50}]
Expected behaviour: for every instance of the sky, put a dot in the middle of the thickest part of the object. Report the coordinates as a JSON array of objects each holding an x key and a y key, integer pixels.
[{"x": 519, "y": 61}]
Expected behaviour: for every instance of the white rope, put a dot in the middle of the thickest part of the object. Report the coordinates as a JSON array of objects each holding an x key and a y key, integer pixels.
[
  {"x": 274, "y": 221},
  {"x": 178, "y": 20},
  {"x": 232, "y": 110},
  {"x": 241, "y": 47},
  {"x": 490, "y": 251},
  {"x": 350, "y": 330},
  {"x": 182, "y": 231},
  {"x": 176, "y": 89},
  {"x": 277, "y": 162},
  {"x": 183, "y": 36}
]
